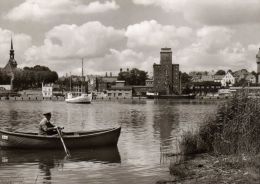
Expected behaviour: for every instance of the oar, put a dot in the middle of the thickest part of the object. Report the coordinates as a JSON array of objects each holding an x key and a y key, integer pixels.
[{"x": 63, "y": 143}]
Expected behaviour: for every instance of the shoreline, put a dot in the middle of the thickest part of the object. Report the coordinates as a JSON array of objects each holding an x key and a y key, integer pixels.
[
  {"x": 210, "y": 168},
  {"x": 40, "y": 98}
]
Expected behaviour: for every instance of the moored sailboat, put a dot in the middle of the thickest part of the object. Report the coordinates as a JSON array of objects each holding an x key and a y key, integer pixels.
[{"x": 81, "y": 97}]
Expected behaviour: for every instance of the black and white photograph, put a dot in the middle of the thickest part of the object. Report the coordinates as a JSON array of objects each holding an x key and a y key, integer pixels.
[{"x": 129, "y": 91}]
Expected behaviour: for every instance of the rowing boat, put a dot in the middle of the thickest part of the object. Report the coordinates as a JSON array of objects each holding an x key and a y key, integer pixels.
[{"x": 82, "y": 139}]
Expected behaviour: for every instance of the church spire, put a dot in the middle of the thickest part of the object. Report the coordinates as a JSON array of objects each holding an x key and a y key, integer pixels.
[{"x": 12, "y": 50}]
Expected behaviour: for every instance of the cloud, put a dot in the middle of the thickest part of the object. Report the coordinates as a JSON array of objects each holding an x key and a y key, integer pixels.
[
  {"x": 21, "y": 43},
  {"x": 154, "y": 35},
  {"x": 168, "y": 5},
  {"x": 215, "y": 49},
  {"x": 71, "y": 42},
  {"x": 37, "y": 10},
  {"x": 219, "y": 12},
  {"x": 124, "y": 59},
  {"x": 213, "y": 38}
]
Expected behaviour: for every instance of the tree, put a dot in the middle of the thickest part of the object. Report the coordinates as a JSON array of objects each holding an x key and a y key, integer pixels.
[
  {"x": 230, "y": 71},
  {"x": 37, "y": 68},
  {"x": 243, "y": 82},
  {"x": 254, "y": 73},
  {"x": 33, "y": 77},
  {"x": 185, "y": 83},
  {"x": 185, "y": 78},
  {"x": 133, "y": 77},
  {"x": 220, "y": 72}
]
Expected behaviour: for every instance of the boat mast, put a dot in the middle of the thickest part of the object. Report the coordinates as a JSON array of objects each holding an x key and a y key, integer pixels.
[
  {"x": 82, "y": 79},
  {"x": 70, "y": 81}
]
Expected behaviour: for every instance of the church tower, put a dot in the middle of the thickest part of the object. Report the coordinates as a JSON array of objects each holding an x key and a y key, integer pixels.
[{"x": 11, "y": 66}]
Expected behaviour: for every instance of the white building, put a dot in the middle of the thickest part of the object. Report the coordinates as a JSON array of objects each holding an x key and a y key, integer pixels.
[
  {"x": 225, "y": 80},
  {"x": 228, "y": 80},
  {"x": 47, "y": 90},
  {"x": 149, "y": 82},
  {"x": 5, "y": 87}
]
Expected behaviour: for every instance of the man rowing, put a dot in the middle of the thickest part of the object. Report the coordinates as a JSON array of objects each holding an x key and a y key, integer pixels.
[{"x": 46, "y": 127}]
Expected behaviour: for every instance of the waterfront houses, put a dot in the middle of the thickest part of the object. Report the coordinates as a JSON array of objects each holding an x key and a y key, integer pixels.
[
  {"x": 104, "y": 83},
  {"x": 119, "y": 90}
]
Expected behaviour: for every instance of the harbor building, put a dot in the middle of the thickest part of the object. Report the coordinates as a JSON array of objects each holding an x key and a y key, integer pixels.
[
  {"x": 119, "y": 90},
  {"x": 104, "y": 83},
  {"x": 166, "y": 75}
]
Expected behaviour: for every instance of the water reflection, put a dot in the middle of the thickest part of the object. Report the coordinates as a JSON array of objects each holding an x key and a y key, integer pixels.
[
  {"x": 47, "y": 160},
  {"x": 103, "y": 155},
  {"x": 149, "y": 132}
]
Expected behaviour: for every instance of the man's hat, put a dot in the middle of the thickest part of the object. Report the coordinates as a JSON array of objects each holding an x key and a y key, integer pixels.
[{"x": 47, "y": 114}]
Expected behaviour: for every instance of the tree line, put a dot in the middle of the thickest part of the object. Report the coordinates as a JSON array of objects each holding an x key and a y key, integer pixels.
[
  {"x": 29, "y": 77},
  {"x": 133, "y": 77}
]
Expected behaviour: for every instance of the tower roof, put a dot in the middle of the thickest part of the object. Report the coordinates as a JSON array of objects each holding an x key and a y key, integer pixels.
[
  {"x": 12, "y": 48},
  {"x": 166, "y": 49}
]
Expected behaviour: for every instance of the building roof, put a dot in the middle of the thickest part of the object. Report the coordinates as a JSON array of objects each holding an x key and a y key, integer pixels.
[
  {"x": 207, "y": 78},
  {"x": 120, "y": 88},
  {"x": 109, "y": 79},
  {"x": 218, "y": 77}
]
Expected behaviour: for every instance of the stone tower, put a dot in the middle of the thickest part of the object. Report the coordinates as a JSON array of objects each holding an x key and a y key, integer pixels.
[
  {"x": 258, "y": 66},
  {"x": 166, "y": 74}
]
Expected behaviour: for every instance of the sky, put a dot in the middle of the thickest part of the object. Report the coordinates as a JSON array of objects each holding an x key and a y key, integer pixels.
[{"x": 113, "y": 34}]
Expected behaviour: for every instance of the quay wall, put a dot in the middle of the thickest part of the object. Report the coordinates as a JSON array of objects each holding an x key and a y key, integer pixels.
[
  {"x": 33, "y": 98},
  {"x": 40, "y": 98}
]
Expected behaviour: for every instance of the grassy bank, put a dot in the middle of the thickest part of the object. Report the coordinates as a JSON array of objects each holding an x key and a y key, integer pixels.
[{"x": 231, "y": 141}]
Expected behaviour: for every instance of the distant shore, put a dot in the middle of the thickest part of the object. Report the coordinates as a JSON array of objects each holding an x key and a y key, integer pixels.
[{"x": 61, "y": 98}]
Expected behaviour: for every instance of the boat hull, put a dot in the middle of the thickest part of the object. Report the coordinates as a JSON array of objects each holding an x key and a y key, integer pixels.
[
  {"x": 80, "y": 99},
  {"x": 73, "y": 140}
]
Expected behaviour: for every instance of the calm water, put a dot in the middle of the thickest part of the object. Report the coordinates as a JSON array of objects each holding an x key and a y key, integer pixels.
[{"x": 149, "y": 132}]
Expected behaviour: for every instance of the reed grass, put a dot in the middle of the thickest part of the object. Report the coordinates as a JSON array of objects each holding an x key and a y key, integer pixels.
[
  {"x": 234, "y": 129},
  {"x": 232, "y": 134}
]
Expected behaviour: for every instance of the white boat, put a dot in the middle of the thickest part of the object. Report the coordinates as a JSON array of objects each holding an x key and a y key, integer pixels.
[
  {"x": 83, "y": 98},
  {"x": 151, "y": 95},
  {"x": 80, "y": 97}
]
